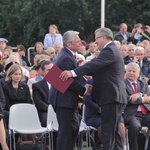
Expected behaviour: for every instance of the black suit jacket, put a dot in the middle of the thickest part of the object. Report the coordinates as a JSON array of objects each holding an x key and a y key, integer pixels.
[
  {"x": 13, "y": 96},
  {"x": 127, "y": 60},
  {"x": 108, "y": 75},
  {"x": 118, "y": 36},
  {"x": 131, "y": 107},
  {"x": 40, "y": 95},
  {"x": 66, "y": 61}
]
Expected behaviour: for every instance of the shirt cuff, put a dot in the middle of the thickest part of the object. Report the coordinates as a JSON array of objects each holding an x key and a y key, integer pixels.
[
  {"x": 73, "y": 73},
  {"x": 142, "y": 97}
]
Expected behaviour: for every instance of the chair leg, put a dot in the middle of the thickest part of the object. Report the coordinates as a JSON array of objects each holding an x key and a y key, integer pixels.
[
  {"x": 146, "y": 141},
  {"x": 49, "y": 138},
  {"x": 14, "y": 139},
  {"x": 127, "y": 140},
  {"x": 10, "y": 142},
  {"x": 52, "y": 137}
]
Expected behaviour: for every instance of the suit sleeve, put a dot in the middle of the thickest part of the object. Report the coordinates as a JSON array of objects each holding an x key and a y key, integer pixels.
[
  {"x": 105, "y": 58},
  {"x": 38, "y": 99}
]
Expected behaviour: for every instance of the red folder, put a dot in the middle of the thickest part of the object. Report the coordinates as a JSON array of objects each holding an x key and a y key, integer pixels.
[{"x": 53, "y": 78}]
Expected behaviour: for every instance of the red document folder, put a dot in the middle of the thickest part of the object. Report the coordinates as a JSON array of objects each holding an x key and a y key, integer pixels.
[{"x": 53, "y": 78}]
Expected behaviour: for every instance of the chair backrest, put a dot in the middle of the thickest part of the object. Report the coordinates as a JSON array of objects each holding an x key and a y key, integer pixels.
[
  {"x": 51, "y": 118},
  {"x": 23, "y": 117}
]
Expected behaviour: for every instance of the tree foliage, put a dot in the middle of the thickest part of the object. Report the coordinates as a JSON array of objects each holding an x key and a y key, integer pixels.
[{"x": 26, "y": 21}]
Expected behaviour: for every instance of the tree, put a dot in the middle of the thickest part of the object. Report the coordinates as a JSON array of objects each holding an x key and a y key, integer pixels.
[{"x": 27, "y": 21}]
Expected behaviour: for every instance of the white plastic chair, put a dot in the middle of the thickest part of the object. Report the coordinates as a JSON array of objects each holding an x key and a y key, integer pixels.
[
  {"x": 24, "y": 119},
  {"x": 52, "y": 125},
  {"x": 85, "y": 130}
]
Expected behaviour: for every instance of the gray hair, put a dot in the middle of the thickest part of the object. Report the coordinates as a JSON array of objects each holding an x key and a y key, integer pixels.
[
  {"x": 131, "y": 45},
  {"x": 105, "y": 32},
  {"x": 133, "y": 65},
  {"x": 69, "y": 36},
  {"x": 139, "y": 48}
]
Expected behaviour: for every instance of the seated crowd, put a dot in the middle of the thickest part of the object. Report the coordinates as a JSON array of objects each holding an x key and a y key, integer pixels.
[{"x": 22, "y": 81}]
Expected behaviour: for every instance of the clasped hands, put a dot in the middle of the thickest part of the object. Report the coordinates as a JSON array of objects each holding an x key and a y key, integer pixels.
[
  {"x": 133, "y": 98},
  {"x": 88, "y": 90}
]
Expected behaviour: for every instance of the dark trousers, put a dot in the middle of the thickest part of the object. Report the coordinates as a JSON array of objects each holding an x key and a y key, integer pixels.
[
  {"x": 43, "y": 118},
  {"x": 134, "y": 126},
  {"x": 69, "y": 122},
  {"x": 111, "y": 114}
]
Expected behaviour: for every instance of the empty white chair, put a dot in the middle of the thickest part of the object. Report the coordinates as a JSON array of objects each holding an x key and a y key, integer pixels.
[
  {"x": 52, "y": 125},
  {"x": 24, "y": 119}
]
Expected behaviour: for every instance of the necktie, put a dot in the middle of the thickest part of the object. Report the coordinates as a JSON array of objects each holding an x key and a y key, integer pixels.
[
  {"x": 143, "y": 109},
  {"x": 140, "y": 64}
]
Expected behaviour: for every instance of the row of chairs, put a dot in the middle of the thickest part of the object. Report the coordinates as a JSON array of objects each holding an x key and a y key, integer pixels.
[{"x": 23, "y": 119}]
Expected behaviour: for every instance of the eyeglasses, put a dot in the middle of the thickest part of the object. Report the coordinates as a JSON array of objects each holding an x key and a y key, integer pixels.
[{"x": 98, "y": 37}]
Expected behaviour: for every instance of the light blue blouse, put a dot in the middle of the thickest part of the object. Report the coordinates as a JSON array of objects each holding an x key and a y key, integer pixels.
[{"x": 49, "y": 41}]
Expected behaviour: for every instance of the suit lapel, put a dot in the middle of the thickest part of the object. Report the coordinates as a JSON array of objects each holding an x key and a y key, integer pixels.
[
  {"x": 129, "y": 87},
  {"x": 71, "y": 55}
]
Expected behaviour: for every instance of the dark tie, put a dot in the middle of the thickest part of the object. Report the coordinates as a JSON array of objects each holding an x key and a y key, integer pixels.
[
  {"x": 140, "y": 64},
  {"x": 143, "y": 109}
]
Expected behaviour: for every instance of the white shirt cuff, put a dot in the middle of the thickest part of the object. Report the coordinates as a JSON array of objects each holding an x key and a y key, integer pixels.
[{"x": 73, "y": 73}]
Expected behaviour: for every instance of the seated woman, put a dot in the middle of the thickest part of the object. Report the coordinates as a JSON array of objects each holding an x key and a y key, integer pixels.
[
  {"x": 93, "y": 114},
  {"x": 15, "y": 90},
  {"x": 38, "y": 48},
  {"x": 22, "y": 52}
]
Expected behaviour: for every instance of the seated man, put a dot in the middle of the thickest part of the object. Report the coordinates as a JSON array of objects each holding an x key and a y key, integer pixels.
[
  {"x": 41, "y": 91},
  {"x": 92, "y": 114},
  {"x": 137, "y": 112}
]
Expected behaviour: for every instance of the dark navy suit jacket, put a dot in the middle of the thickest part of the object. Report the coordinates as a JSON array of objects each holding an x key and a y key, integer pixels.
[
  {"x": 66, "y": 61},
  {"x": 108, "y": 76},
  {"x": 40, "y": 95}
]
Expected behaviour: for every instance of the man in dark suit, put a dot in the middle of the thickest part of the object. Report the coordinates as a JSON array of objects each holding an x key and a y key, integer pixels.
[
  {"x": 108, "y": 86},
  {"x": 41, "y": 91},
  {"x": 122, "y": 35},
  {"x": 137, "y": 112},
  {"x": 130, "y": 57},
  {"x": 65, "y": 105}
]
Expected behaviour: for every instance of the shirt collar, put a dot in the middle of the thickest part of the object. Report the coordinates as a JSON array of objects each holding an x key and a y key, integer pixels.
[
  {"x": 73, "y": 53},
  {"x": 107, "y": 44},
  {"x": 132, "y": 82}
]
